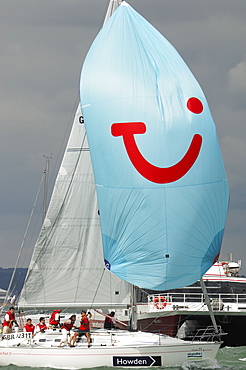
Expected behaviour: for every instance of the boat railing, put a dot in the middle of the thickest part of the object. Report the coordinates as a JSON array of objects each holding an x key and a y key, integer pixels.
[
  {"x": 178, "y": 301},
  {"x": 208, "y": 334}
]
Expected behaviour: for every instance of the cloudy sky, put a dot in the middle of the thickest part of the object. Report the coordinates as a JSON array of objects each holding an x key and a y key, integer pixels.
[{"x": 42, "y": 46}]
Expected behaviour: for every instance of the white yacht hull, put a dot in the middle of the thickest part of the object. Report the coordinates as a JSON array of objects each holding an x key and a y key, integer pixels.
[{"x": 125, "y": 350}]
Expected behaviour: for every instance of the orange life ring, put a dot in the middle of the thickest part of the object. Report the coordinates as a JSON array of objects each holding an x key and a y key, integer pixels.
[{"x": 160, "y": 302}]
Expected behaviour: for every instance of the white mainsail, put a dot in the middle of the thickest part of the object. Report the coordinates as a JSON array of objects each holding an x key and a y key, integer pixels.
[{"x": 67, "y": 262}]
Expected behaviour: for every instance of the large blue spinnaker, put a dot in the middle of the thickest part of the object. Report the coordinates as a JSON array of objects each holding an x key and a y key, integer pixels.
[{"x": 161, "y": 183}]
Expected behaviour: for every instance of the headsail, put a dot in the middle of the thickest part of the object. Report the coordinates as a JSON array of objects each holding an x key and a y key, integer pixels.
[
  {"x": 161, "y": 183},
  {"x": 67, "y": 268}
]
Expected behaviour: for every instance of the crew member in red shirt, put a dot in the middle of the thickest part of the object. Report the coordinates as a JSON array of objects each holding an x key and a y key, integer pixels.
[
  {"x": 29, "y": 327},
  {"x": 84, "y": 328},
  {"x": 55, "y": 319},
  {"x": 41, "y": 326},
  {"x": 9, "y": 320},
  {"x": 66, "y": 327}
]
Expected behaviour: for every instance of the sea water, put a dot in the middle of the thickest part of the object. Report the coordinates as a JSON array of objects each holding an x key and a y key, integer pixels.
[{"x": 228, "y": 358}]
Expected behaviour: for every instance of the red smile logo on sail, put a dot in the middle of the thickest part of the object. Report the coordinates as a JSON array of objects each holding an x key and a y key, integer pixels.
[{"x": 152, "y": 173}]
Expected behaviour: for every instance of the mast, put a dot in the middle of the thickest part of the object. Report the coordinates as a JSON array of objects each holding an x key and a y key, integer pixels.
[
  {"x": 112, "y": 6},
  {"x": 133, "y": 316}
]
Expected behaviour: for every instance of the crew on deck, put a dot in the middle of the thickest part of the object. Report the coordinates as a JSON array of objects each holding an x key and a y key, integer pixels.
[
  {"x": 66, "y": 327},
  {"x": 54, "y": 321},
  {"x": 84, "y": 329},
  {"x": 110, "y": 322},
  {"x": 29, "y": 327},
  {"x": 9, "y": 320},
  {"x": 41, "y": 326}
]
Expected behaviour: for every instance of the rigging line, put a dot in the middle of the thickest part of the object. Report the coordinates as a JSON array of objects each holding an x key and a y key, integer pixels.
[
  {"x": 65, "y": 137},
  {"x": 93, "y": 300},
  {"x": 23, "y": 241},
  {"x": 31, "y": 242},
  {"x": 34, "y": 228},
  {"x": 65, "y": 197}
]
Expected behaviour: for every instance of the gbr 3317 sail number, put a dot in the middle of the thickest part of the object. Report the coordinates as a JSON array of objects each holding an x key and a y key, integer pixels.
[{"x": 21, "y": 335}]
